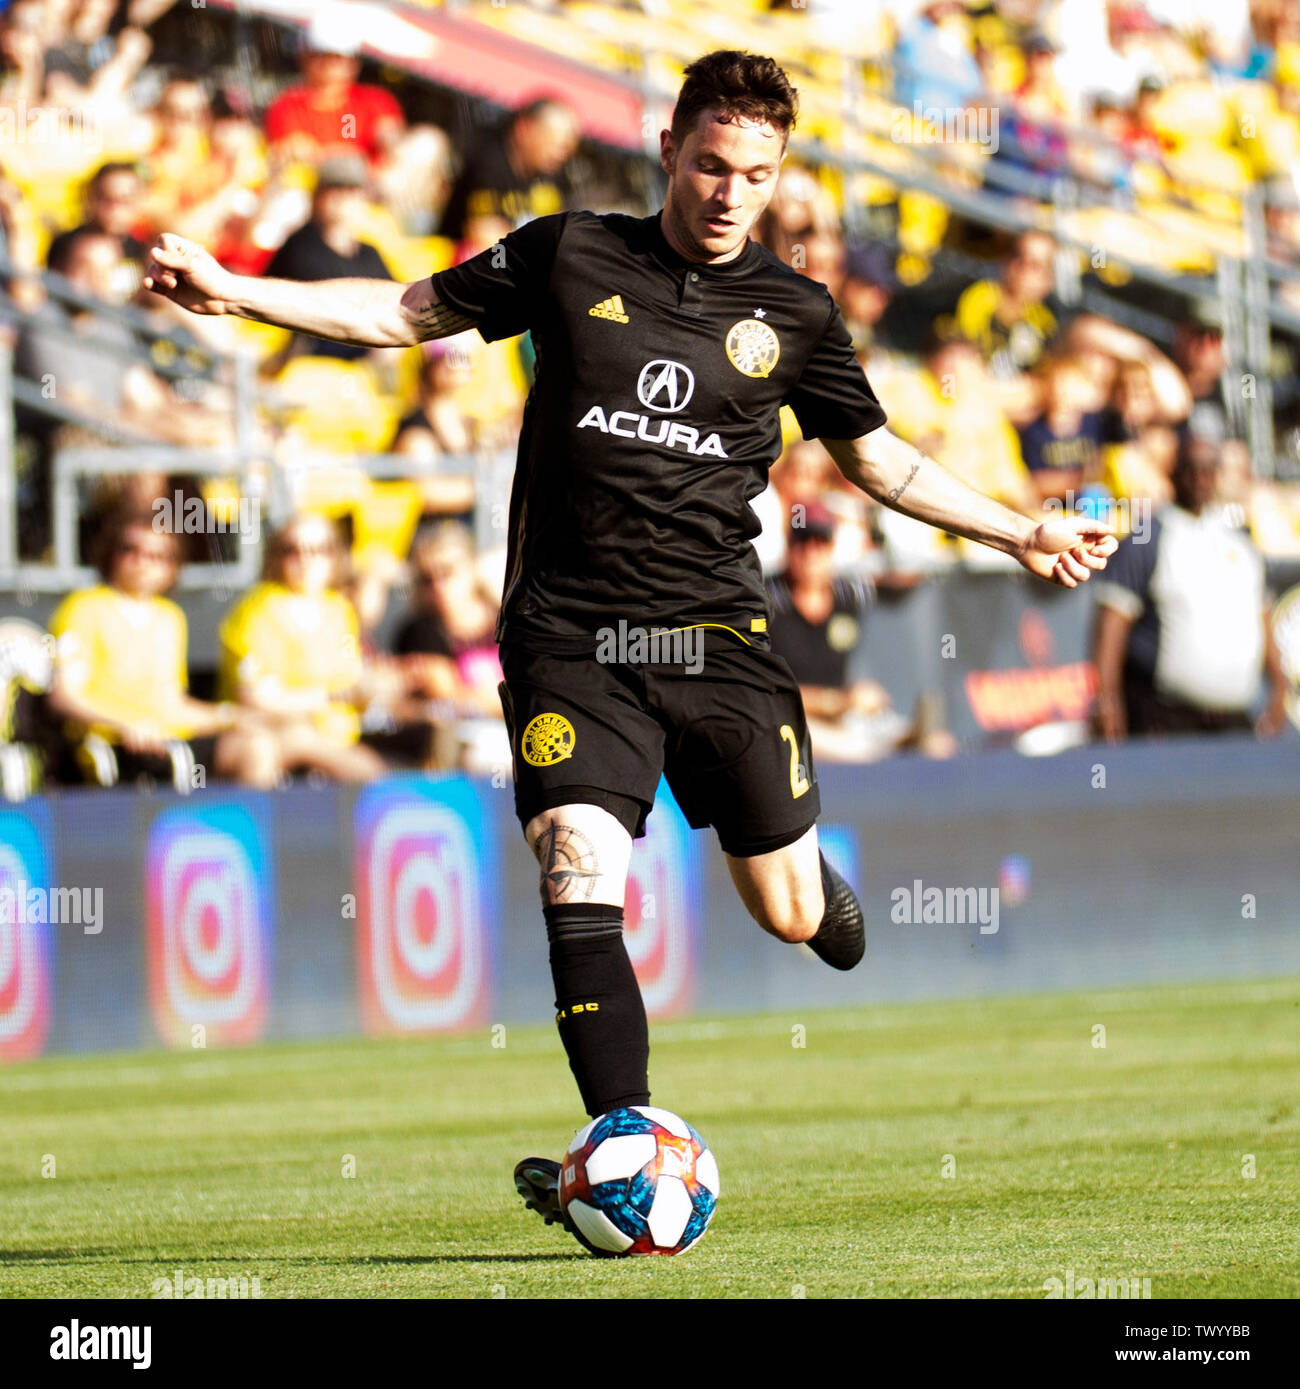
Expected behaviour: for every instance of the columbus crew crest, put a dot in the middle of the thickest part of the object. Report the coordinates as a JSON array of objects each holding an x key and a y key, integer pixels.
[
  {"x": 752, "y": 347},
  {"x": 548, "y": 739}
]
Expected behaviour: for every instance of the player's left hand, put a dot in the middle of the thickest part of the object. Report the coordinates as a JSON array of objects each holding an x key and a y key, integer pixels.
[{"x": 1066, "y": 549}]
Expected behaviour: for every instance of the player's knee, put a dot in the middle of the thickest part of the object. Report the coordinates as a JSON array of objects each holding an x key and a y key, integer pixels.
[
  {"x": 582, "y": 852},
  {"x": 795, "y": 917}
]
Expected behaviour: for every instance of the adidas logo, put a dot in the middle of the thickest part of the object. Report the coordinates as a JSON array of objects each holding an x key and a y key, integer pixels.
[{"x": 611, "y": 309}]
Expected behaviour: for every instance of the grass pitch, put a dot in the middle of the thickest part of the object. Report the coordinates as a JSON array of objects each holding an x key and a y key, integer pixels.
[{"x": 1128, "y": 1160}]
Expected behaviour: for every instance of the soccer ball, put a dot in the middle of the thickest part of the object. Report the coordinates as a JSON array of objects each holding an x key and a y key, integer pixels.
[{"x": 639, "y": 1181}]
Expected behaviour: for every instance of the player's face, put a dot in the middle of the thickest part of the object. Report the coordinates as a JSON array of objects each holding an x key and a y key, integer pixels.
[{"x": 719, "y": 180}]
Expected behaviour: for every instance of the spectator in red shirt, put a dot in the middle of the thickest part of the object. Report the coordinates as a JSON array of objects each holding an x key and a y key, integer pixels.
[{"x": 331, "y": 113}]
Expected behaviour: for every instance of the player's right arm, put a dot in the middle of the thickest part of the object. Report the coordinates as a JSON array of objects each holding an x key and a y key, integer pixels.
[
  {"x": 365, "y": 313},
  {"x": 833, "y": 402},
  {"x": 1063, "y": 549}
]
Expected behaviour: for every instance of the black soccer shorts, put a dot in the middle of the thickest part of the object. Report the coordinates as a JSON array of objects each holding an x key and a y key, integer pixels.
[{"x": 730, "y": 737}]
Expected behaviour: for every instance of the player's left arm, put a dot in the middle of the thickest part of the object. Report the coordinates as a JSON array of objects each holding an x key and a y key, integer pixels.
[{"x": 1063, "y": 549}]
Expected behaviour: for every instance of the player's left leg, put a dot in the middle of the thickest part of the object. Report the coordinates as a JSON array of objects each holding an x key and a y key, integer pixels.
[
  {"x": 782, "y": 889},
  {"x": 739, "y": 758},
  {"x": 796, "y": 895}
]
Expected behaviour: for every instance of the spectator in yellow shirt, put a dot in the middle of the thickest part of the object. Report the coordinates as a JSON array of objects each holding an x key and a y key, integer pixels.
[
  {"x": 120, "y": 676},
  {"x": 291, "y": 649},
  {"x": 1010, "y": 321}
]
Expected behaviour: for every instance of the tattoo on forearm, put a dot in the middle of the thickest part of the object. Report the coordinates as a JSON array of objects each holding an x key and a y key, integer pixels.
[
  {"x": 441, "y": 321},
  {"x": 902, "y": 487},
  {"x": 569, "y": 865},
  {"x": 429, "y": 315}
]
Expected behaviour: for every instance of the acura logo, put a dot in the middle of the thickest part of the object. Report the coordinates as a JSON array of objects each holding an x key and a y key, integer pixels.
[{"x": 665, "y": 386}]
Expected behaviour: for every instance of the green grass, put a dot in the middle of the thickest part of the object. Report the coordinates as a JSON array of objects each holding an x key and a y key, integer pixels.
[{"x": 1115, "y": 1162}]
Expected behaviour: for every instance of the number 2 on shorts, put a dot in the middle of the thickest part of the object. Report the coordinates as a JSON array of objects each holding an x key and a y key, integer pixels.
[{"x": 798, "y": 782}]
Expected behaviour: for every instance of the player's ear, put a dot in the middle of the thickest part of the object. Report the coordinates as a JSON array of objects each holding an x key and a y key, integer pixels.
[{"x": 667, "y": 151}]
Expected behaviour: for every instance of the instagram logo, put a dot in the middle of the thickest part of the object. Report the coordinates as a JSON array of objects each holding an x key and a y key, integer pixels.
[
  {"x": 208, "y": 894},
  {"x": 25, "y": 945},
  {"x": 661, "y": 909},
  {"x": 426, "y": 907}
]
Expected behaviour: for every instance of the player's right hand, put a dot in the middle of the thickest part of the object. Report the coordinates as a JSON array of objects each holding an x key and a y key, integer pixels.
[
  {"x": 1066, "y": 549},
  {"x": 185, "y": 273}
]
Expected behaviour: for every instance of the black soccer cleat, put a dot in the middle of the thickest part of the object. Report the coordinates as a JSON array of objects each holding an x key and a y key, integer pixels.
[
  {"x": 841, "y": 939},
  {"x": 537, "y": 1180}
]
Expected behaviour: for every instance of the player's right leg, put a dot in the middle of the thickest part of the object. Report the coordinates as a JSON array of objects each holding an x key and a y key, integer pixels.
[
  {"x": 587, "y": 760},
  {"x": 583, "y": 852}
]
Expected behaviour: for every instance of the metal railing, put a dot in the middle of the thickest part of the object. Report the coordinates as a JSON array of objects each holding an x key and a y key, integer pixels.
[{"x": 273, "y": 482}]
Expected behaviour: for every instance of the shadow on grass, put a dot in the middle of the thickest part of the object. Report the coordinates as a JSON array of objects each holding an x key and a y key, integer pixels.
[
  {"x": 14, "y": 1256},
  {"x": 470, "y": 1258},
  {"x": 115, "y": 1256}
]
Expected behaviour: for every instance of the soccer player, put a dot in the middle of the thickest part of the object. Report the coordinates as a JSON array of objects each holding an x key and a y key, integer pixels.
[{"x": 665, "y": 349}]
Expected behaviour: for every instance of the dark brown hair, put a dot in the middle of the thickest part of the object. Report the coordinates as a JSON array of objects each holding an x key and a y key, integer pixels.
[{"x": 739, "y": 85}]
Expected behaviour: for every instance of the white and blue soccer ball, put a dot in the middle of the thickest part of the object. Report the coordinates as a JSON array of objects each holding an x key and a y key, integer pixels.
[{"x": 639, "y": 1181}]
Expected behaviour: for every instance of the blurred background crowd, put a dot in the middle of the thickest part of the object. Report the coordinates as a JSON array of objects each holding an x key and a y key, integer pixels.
[{"x": 1064, "y": 235}]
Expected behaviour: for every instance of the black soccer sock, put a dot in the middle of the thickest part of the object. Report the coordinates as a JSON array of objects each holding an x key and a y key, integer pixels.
[
  {"x": 841, "y": 939},
  {"x": 598, "y": 1006}
]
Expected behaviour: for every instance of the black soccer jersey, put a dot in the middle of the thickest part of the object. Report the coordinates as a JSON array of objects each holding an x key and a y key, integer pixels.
[{"x": 652, "y": 421}]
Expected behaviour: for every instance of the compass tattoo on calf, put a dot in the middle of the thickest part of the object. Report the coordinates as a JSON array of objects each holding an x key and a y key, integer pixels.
[{"x": 569, "y": 865}]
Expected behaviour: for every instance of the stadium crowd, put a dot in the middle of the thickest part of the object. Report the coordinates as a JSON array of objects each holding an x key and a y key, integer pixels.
[{"x": 312, "y": 172}]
